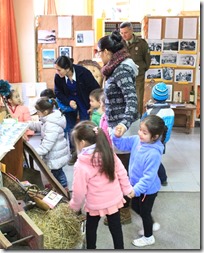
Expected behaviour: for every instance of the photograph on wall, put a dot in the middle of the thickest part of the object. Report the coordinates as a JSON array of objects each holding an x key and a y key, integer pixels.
[
  {"x": 48, "y": 58},
  {"x": 183, "y": 75},
  {"x": 155, "y": 59},
  {"x": 186, "y": 60},
  {"x": 177, "y": 96},
  {"x": 155, "y": 45},
  {"x": 84, "y": 38},
  {"x": 170, "y": 90},
  {"x": 46, "y": 36},
  {"x": 168, "y": 74},
  {"x": 169, "y": 59},
  {"x": 170, "y": 45},
  {"x": 188, "y": 45},
  {"x": 66, "y": 51},
  {"x": 153, "y": 74}
]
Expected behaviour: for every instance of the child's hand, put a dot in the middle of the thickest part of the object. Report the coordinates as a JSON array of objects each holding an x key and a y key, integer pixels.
[
  {"x": 119, "y": 130},
  {"x": 73, "y": 104},
  {"x": 25, "y": 137},
  {"x": 131, "y": 194}
]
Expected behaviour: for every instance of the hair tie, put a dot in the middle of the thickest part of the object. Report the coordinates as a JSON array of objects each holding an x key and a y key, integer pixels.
[
  {"x": 95, "y": 129},
  {"x": 50, "y": 100}
]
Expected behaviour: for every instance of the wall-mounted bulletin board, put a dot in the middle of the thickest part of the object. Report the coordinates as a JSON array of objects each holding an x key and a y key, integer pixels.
[
  {"x": 173, "y": 43},
  {"x": 62, "y": 35}
]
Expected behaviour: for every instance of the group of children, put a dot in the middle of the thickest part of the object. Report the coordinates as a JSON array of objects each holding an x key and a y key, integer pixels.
[{"x": 100, "y": 180}]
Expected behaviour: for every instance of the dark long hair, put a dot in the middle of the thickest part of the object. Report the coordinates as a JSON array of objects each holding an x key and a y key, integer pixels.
[
  {"x": 64, "y": 62},
  {"x": 155, "y": 126},
  {"x": 89, "y": 132},
  {"x": 112, "y": 42}
]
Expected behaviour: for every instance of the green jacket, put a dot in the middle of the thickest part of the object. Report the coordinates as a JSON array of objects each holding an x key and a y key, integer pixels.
[{"x": 140, "y": 54}]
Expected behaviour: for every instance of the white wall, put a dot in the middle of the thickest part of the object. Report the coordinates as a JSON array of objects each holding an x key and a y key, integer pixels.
[{"x": 26, "y": 10}]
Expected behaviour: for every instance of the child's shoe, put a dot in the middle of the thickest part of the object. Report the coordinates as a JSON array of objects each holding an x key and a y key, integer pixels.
[{"x": 144, "y": 241}]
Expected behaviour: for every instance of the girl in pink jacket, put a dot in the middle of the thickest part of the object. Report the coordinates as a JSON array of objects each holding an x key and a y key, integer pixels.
[
  {"x": 19, "y": 111},
  {"x": 100, "y": 181}
]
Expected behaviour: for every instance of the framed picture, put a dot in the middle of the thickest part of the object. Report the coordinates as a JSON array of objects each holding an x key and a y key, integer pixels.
[
  {"x": 183, "y": 75},
  {"x": 169, "y": 59},
  {"x": 155, "y": 59},
  {"x": 46, "y": 36},
  {"x": 168, "y": 74},
  {"x": 48, "y": 57},
  {"x": 170, "y": 45},
  {"x": 177, "y": 96},
  {"x": 186, "y": 60},
  {"x": 188, "y": 45},
  {"x": 155, "y": 73},
  {"x": 169, "y": 86},
  {"x": 155, "y": 45},
  {"x": 84, "y": 38},
  {"x": 67, "y": 51}
]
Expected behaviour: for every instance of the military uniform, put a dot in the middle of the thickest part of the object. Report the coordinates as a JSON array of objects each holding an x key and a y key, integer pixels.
[{"x": 140, "y": 54}]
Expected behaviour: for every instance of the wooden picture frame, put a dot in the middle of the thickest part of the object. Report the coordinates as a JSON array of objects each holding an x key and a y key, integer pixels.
[
  {"x": 170, "y": 92},
  {"x": 48, "y": 58},
  {"x": 66, "y": 51}
]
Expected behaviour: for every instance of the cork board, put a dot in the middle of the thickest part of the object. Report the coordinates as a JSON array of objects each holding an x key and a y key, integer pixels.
[{"x": 50, "y": 22}]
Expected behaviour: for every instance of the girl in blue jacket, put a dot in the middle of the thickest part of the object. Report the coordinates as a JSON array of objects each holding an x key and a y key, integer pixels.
[{"x": 146, "y": 151}]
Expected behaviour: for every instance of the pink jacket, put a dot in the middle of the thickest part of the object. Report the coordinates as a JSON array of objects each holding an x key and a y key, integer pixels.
[
  {"x": 104, "y": 125},
  {"x": 22, "y": 114},
  {"x": 94, "y": 188}
]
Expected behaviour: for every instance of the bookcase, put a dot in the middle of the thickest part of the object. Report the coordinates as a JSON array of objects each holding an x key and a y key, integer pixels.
[
  {"x": 173, "y": 43},
  {"x": 105, "y": 27}
]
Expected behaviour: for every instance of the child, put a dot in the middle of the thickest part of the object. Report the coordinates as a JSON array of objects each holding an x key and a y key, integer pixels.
[
  {"x": 53, "y": 147},
  {"x": 95, "y": 108},
  {"x": 146, "y": 151},
  {"x": 18, "y": 111},
  {"x": 163, "y": 110},
  {"x": 103, "y": 121},
  {"x": 64, "y": 108},
  {"x": 100, "y": 181}
]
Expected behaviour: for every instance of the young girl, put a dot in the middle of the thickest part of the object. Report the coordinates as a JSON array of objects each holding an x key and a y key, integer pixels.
[
  {"x": 18, "y": 111},
  {"x": 100, "y": 181},
  {"x": 95, "y": 108},
  {"x": 146, "y": 151},
  {"x": 53, "y": 147}
]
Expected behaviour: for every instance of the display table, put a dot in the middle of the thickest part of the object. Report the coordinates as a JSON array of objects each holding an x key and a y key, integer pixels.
[
  {"x": 184, "y": 115},
  {"x": 11, "y": 147}
]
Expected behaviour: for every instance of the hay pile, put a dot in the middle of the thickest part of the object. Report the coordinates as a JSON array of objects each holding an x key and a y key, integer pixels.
[{"x": 60, "y": 226}]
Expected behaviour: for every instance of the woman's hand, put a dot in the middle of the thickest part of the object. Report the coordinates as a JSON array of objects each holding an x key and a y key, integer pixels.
[
  {"x": 73, "y": 104},
  {"x": 119, "y": 130}
]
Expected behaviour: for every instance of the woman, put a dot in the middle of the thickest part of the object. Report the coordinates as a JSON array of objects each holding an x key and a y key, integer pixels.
[
  {"x": 73, "y": 83},
  {"x": 120, "y": 95}
]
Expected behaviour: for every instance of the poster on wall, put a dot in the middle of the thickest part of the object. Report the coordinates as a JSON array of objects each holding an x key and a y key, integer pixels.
[
  {"x": 84, "y": 38},
  {"x": 67, "y": 51},
  {"x": 183, "y": 75},
  {"x": 46, "y": 36},
  {"x": 65, "y": 27},
  {"x": 186, "y": 60},
  {"x": 48, "y": 58}
]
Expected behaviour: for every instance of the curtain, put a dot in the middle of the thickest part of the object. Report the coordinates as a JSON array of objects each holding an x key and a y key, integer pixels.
[
  {"x": 9, "y": 57},
  {"x": 50, "y": 7}
]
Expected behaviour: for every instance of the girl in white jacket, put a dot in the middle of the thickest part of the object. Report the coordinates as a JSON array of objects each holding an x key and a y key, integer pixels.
[{"x": 53, "y": 147}]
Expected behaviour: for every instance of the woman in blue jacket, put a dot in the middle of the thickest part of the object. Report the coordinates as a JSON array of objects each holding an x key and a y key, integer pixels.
[{"x": 73, "y": 83}]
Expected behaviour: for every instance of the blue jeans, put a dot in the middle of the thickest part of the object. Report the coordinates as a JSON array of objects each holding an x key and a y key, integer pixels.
[{"x": 60, "y": 176}]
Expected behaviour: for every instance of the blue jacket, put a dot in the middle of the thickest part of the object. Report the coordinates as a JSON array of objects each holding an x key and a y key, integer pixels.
[
  {"x": 85, "y": 84},
  {"x": 145, "y": 159},
  {"x": 167, "y": 114}
]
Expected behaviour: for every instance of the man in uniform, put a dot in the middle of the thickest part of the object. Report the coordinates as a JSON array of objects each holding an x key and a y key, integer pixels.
[{"x": 139, "y": 51}]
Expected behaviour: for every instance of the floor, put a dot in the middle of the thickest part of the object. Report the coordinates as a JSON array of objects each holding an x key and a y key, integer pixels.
[{"x": 177, "y": 207}]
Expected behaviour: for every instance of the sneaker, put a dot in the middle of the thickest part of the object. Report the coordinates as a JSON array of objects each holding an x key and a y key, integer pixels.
[
  {"x": 155, "y": 227},
  {"x": 144, "y": 241}
]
